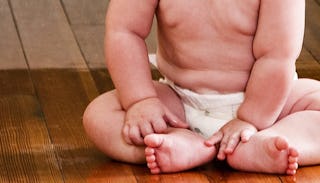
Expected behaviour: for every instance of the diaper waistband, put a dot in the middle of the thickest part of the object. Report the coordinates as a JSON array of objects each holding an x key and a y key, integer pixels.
[{"x": 206, "y": 101}]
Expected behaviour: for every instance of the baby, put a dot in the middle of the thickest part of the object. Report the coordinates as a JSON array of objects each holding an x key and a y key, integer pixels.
[{"x": 229, "y": 89}]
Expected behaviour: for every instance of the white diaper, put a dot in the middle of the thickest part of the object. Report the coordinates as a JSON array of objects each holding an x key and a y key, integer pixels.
[{"x": 207, "y": 113}]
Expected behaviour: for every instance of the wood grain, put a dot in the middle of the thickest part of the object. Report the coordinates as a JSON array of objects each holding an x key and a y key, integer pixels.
[
  {"x": 312, "y": 35},
  {"x": 86, "y": 12},
  {"x": 307, "y": 66},
  {"x": 11, "y": 54},
  {"x": 91, "y": 39},
  {"x": 46, "y": 35},
  {"x": 26, "y": 153},
  {"x": 64, "y": 95}
]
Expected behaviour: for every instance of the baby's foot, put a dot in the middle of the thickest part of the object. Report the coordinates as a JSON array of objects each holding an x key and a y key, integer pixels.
[
  {"x": 266, "y": 155},
  {"x": 179, "y": 150}
]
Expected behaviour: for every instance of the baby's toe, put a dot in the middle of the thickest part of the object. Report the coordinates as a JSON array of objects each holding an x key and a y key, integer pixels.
[
  {"x": 150, "y": 158},
  {"x": 291, "y": 172},
  {"x": 155, "y": 170},
  {"x": 149, "y": 151},
  {"x": 152, "y": 165}
]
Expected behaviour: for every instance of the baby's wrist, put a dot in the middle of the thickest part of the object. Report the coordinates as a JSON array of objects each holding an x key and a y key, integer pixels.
[{"x": 140, "y": 100}]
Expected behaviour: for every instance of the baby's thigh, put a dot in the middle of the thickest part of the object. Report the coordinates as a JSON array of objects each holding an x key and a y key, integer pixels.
[
  {"x": 305, "y": 95},
  {"x": 107, "y": 107},
  {"x": 170, "y": 99},
  {"x": 103, "y": 109}
]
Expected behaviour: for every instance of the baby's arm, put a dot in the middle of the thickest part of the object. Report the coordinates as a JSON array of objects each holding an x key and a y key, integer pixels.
[
  {"x": 276, "y": 46},
  {"x": 127, "y": 25}
]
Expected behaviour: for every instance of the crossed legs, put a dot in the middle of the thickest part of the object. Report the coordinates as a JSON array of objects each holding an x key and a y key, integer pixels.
[
  {"x": 177, "y": 150},
  {"x": 275, "y": 149},
  {"x": 104, "y": 117}
]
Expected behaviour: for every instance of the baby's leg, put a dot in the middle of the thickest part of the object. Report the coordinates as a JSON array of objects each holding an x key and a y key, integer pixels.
[
  {"x": 103, "y": 121},
  {"x": 104, "y": 118},
  {"x": 179, "y": 150},
  {"x": 275, "y": 150},
  {"x": 266, "y": 153}
]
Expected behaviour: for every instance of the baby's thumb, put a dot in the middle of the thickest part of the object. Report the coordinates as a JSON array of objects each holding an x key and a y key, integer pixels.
[
  {"x": 246, "y": 135},
  {"x": 175, "y": 121}
]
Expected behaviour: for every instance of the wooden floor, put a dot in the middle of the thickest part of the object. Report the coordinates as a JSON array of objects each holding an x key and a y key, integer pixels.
[{"x": 52, "y": 66}]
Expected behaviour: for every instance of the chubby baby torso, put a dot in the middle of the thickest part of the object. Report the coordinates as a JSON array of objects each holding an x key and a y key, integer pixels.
[{"x": 207, "y": 45}]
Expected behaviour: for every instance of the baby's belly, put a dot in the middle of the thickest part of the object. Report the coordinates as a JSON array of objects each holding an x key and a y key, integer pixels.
[{"x": 206, "y": 81}]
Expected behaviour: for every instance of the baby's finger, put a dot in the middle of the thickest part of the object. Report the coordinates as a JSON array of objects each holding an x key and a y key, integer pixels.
[
  {"x": 174, "y": 121},
  {"x": 232, "y": 143},
  {"x": 215, "y": 138},
  {"x": 146, "y": 129},
  {"x": 221, "y": 154},
  {"x": 135, "y": 136},
  {"x": 159, "y": 125},
  {"x": 125, "y": 134}
]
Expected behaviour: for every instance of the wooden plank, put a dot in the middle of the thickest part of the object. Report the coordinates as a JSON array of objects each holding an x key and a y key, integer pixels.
[
  {"x": 215, "y": 171},
  {"x": 47, "y": 38},
  {"x": 142, "y": 174},
  {"x": 64, "y": 95},
  {"x": 102, "y": 80},
  {"x": 89, "y": 31},
  {"x": 26, "y": 153},
  {"x": 113, "y": 172},
  {"x": 87, "y": 20},
  {"x": 89, "y": 12},
  {"x": 218, "y": 171},
  {"x": 91, "y": 40},
  {"x": 11, "y": 55},
  {"x": 312, "y": 31},
  {"x": 64, "y": 91},
  {"x": 307, "y": 66},
  {"x": 190, "y": 176},
  {"x": 305, "y": 174}
]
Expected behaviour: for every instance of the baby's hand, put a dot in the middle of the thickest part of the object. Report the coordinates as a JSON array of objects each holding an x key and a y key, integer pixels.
[
  {"x": 146, "y": 117},
  {"x": 230, "y": 135}
]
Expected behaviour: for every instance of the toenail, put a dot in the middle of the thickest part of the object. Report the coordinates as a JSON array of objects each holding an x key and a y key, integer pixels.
[{"x": 151, "y": 158}]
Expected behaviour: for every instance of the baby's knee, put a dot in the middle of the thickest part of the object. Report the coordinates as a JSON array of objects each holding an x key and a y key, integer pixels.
[
  {"x": 315, "y": 105},
  {"x": 89, "y": 118},
  {"x": 99, "y": 110},
  {"x": 312, "y": 101},
  {"x": 309, "y": 96}
]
